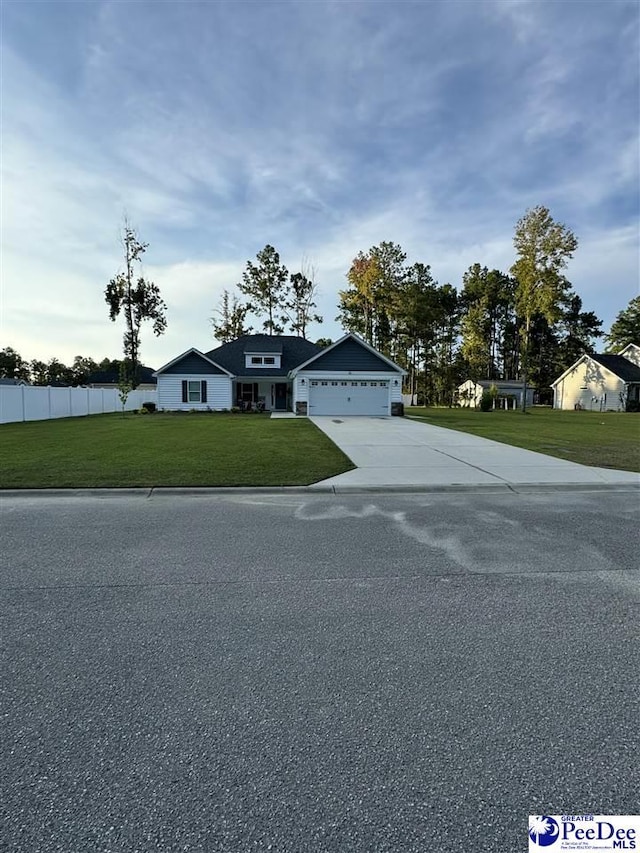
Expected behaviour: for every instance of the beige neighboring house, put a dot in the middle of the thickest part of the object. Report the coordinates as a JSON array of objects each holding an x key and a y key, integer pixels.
[
  {"x": 470, "y": 392},
  {"x": 600, "y": 382}
]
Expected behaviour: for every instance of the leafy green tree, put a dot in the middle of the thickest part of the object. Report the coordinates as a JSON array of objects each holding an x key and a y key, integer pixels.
[
  {"x": 324, "y": 342},
  {"x": 626, "y": 327},
  {"x": 487, "y": 310},
  {"x": 124, "y": 385},
  {"x": 38, "y": 371},
  {"x": 137, "y": 298},
  {"x": 298, "y": 304},
  {"x": 416, "y": 311},
  {"x": 265, "y": 285},
  {"x": 229, "y": 323},
  {"x": 543, "y": 249},
  {"x": 367, "y": 307},
  {"x": 578, "y": 331},
  {"x": 81, "y": 369},
  {"x": 57, "y": 372},
  {"x": 357, "y": 304},
  {"x": 12, "y": 365}
]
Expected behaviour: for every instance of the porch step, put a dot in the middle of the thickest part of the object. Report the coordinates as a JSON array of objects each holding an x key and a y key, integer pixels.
[{"x": 283, "y": 415}]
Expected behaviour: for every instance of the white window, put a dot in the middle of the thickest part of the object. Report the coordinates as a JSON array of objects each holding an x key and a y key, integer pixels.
[
  {"x": 194, "y": 392},
  {"x": 314, "y": 383},
  {"x": 261, "y": 360}
]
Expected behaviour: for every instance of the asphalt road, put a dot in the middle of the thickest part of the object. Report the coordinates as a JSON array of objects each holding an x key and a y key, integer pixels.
[{"x": 331, "y": 673}]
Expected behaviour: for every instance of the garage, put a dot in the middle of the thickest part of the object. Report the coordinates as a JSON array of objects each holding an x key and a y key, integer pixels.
[{"x": 352, "y": 397}]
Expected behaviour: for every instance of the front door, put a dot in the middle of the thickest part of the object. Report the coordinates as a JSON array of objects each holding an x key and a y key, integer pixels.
[{"x": 280, "y": 396}]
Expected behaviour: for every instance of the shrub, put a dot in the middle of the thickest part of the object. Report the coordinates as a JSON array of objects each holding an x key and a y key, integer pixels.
[
  {"x": 235, "y": 410},
  {"x": 633, "y": 406},
  {"x": 149, "y": 407},
  {"x": 486, "y": 401}
]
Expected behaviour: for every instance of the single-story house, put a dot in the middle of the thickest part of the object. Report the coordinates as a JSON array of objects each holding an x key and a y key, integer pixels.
[
  {"x": 5, "y": 380},
  {"x": 283, "y": 373},
  {"x": 600, "y": 382},
  {"x": 111, "y": 379},
  {"x": 470, "y": 392}
]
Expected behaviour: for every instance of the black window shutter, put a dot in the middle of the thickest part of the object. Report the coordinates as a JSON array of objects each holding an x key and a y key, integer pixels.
[
  {"x": 203, "y": 385},
  {"x": 185, "y": 395}
]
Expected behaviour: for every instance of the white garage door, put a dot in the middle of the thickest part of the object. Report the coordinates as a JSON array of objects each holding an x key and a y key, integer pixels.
[{"x": 337, "y": 397}]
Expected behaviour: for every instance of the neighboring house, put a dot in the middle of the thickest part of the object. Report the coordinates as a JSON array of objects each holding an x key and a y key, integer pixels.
[
  {"x": 632, "y": 353},
  {"x": 600, "y": 382},
  {"x": 470, "y": 392},
  {"x": 111, "y": 379},
  {"x": 281, "y": 373},
  {"x": 6, "y": 381}
]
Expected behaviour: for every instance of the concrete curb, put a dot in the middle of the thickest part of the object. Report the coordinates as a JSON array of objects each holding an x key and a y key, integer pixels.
[{"x": 225, "y": 491}]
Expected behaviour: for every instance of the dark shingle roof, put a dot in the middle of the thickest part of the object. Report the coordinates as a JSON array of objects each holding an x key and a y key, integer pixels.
[
  {"x": 621, "y": 366},
  {"x": 503, "y": 383},
  {"x": 256, "y": 344},
  {"x": 145, "y": 374},
  {"x": 294, "y": 352}
]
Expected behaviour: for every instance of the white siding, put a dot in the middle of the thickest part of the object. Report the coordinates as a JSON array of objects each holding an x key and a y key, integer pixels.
[
  {"x": 473, "y": 393},
  {"x": 591, "y": 385},
  {"x": 170, "y": 392},
  {"x": 300, "y": 391},
  {"x": 396, "y": 390},
  {"x": 632, "y": 353}
]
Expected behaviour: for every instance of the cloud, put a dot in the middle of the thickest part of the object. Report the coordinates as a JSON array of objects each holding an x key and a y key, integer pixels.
[{"x": 320, "y": 128}]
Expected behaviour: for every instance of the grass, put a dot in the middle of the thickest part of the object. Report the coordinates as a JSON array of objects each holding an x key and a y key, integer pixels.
[
  {"x": 166, "y": 450},
  {"x": 604, "y": 439}
]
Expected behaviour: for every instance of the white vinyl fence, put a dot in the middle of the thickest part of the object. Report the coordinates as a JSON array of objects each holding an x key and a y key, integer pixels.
[{"x": 37, "y": 403}]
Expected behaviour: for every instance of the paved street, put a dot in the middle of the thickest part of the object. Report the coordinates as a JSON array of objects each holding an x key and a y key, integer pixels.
[{"x": 315, "y": 673}]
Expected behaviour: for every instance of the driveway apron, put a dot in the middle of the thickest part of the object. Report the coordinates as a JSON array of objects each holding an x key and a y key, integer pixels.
[{"x": 403, "y": 452}]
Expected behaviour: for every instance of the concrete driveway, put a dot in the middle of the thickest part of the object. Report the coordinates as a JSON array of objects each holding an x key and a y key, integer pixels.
[{"x": 403, "y": 452}]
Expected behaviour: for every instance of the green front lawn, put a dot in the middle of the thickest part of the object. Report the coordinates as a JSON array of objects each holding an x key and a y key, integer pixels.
[
  {"x": 166, "y": 450},
  {"x": 604, "y": 439}
]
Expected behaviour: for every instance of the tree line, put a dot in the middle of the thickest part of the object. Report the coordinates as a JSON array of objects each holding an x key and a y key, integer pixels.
[
  {"x": 526, "y": 323},
  {"x": 55, "y": 372}
]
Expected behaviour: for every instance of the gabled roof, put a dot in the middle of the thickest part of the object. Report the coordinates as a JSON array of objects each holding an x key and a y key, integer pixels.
[
  {"x": 621, "y": 367},
  {"x": 293, "y": 350},
  {"x": 104, "y": 377},
  {"x": 350, "y": 336},
  {"x": 500, "y": 383},
  {"x": 631, "y": 352},
  {"x": 189, "y": 352},
  {"x": 5, "y": 380}
]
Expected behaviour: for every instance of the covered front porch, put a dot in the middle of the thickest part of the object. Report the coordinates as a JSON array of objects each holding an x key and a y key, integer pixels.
[{"x": 262, "y": 395}]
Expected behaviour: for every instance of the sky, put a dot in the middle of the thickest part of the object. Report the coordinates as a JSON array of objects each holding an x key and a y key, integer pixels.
[{"x": 322, "y": 128}]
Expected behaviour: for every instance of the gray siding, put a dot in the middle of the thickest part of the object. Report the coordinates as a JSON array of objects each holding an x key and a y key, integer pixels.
[
  {"x": 349, "y": 355},
  {"x": 193, "y": 364}
]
